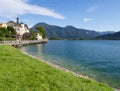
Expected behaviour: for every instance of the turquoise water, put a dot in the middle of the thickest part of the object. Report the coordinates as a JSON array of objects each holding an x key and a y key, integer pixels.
[{"x": 97, "y": 59}]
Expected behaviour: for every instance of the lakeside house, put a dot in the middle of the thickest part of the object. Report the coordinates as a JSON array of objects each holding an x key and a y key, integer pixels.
[
  {"x": 39, "y": 37},
  {"x": 20, "y": 28}
]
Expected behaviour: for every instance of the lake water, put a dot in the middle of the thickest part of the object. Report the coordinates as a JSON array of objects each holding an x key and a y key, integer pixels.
[{"x": 97, "y": 59}]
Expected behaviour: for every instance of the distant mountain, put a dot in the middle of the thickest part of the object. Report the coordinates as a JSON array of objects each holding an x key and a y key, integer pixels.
[
  {"x": 66, "y": 32},
  {"x": 114, "y": 36},
  {"x": 106, "y": 32}
]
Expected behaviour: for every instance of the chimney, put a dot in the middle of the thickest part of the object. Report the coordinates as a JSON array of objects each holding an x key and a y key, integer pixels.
[{"x": 17, "y": 21}]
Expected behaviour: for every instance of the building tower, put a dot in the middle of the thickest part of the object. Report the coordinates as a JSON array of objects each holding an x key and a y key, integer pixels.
[{"x": 17, "y": 21}]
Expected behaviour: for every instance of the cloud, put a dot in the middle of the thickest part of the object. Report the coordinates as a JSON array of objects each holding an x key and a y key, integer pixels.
[
  {"x": 92, "y": 9},
  {"x": 87, "y": 19},
  {"x": 13, "y": 8}
]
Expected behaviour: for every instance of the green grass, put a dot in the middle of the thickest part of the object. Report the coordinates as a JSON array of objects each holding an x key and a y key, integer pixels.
[{"x": 19, "y": 72}]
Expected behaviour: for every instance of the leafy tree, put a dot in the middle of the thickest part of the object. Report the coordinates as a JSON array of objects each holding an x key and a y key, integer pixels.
[
  {"x": 32, "y": 35},
  {"x": 3, "y": 32},
  {"x": 41, "y": 31},
  {"x": 7, "y": 32},
  {"x": 12, "y": 32}
]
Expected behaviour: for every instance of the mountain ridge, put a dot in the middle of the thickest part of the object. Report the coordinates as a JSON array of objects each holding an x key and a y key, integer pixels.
[
  {"x": 66, "y": 32},
  {"x": 114, "y": 36},
  {"x": 69, "y": 32}
]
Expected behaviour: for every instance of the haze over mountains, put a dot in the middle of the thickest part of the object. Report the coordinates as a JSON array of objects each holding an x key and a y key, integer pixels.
[
  {"x": 69, "y": 32},
  {"x": 114, "y": 36}
]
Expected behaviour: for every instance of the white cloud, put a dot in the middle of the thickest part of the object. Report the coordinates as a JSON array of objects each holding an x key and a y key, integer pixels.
[
  {"x": 92, "y": 9},
  {"x": 87, "y": 19},
  {"x": 13, "y": 8}
]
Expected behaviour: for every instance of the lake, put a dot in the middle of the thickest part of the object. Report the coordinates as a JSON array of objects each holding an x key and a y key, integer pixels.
[{"x": 97, "y": 59}]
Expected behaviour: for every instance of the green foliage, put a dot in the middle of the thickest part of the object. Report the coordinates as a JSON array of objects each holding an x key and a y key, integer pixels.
[
  {"x": 12, "y": 32},
  {"x": 66, "y": 32},
  {"x": 3, "y": 32},
  {"x": 7, "y": 33},
  {"x": 19, "y": 72},
  {"x": 32, "y": 35},
  {"x": 6, "y": 39},
  {"x": 42, "y": 31}
]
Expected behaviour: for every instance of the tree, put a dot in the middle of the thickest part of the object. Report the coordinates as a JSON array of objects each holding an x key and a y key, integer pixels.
[
  {"x": 32, "y": 35},
  {"x": 41, "y": 31},
  {"x": 12, "y": 32},
  {"x": 3, "y": 32}
]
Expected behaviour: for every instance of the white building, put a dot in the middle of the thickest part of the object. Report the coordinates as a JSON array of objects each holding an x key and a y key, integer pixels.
[
  {"x": 20, "y": 28},
  {"x": 39, "y": 37}
]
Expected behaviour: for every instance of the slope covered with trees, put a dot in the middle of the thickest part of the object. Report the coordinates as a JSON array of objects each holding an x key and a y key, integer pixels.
[
  {"x": 114, "y": 36},
  {"x": 66, "y": 32}
]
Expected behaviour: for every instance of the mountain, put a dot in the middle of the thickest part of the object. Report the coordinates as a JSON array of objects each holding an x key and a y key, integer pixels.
[
  {"x": 66, "y": 32},
  {"x": 114, "y": 36},
  {"x": 107, "y": 32}
]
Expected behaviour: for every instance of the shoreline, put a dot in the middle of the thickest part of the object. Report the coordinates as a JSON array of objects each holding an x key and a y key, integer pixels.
[
  {"x": 23, "y": 72},
  {"x": 62, "y": 69},
  {"x": 57, "y": 66}
]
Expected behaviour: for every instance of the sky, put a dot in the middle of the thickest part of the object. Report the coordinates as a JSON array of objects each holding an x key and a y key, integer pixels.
[{"x": 98, "y": 15}]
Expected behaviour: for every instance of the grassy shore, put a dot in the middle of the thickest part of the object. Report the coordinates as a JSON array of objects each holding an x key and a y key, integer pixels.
[{"x": 20, "y": 72}]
